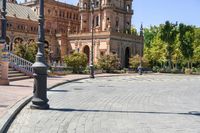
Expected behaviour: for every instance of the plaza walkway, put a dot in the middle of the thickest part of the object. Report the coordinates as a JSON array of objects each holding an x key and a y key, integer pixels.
[
  {"x": 125, "y": 104},
  {"x": 14, "y": 95}
]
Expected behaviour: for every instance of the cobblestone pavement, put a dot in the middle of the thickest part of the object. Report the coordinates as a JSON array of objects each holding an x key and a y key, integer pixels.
[
  {"x": 17, "y": 91},
  {"x": 128, "y": 104}
]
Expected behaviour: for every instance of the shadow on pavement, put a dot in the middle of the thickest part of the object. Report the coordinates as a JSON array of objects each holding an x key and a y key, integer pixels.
[
  {"x": 21, "y": 85},
  {"x": 58, "y": 90},
  {"x": 111, "y": 111}
]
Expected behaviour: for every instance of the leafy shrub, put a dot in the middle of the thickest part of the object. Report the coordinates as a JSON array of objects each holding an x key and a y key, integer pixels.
[
  {"x": 156, "y": 69},
  {"x": 134, "y": 61},
  {"x": 28, "y": 51},
  {"x": 196, "y": 70},
  {"x": 161, "y": 70},
  {"x": 78, "y": 61},
  {"x": 175, "y": 70},
  {"x": 188, "y": 71},
  {"x": 109, "y": 63}
]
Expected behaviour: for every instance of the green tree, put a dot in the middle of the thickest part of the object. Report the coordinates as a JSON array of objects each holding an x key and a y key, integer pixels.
[
  {"x": 155, "y": 48},
  {"x": 168, "y": 35},
  {"x": 134, "y": 61},
  {"x": 158, "y": 51},
  {"x": 109, "y": 63},
  {"x": 196, "y": 47},
  {"x": 176, "y": 55},
  {"x": 77, "y": 61},
  {"x": 149, "y": 35},
  {"x": 26, "y": 51},
  {"x": 186, "y": 42}
]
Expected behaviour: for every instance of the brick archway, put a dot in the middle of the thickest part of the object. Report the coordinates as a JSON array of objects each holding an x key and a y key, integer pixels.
[
  {"x": 86, "y": 50},
  {"x": 127, "y": 56}
]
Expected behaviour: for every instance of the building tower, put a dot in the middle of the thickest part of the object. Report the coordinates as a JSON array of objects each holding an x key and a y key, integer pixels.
[
  {"x": 109, "y": 15},
  {"x": 117, "y": 15},
  {"x": 84, "y": 9}
]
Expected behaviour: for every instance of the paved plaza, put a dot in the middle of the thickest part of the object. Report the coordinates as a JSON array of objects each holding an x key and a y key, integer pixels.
[{"x": 156, "y": 103}]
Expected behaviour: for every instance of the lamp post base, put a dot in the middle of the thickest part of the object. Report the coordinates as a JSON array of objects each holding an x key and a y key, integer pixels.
[
  {"x": 39, "y": 104},
  {"x": 194, "y": 113},
  {"x": 4, "y": 82},
  {"x": 92, "y": 76},
  {"x": 92, "y": 72},
  {"x": 4, "y": 73}
]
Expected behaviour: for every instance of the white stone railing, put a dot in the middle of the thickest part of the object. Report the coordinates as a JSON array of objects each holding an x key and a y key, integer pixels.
[{"x": 21, "y": 64}]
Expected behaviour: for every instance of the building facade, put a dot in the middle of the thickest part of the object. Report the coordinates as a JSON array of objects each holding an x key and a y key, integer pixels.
[
  {"x": 112, "y": 30},
  {"x": 68, "y": 28}
]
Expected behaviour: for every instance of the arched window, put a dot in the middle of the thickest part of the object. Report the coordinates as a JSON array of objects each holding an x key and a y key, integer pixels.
[
  {"x": 97, "y": 20},
  {"x": 56, "y": 13},
  {"x": 70, "y": 15},
  {"x": 49, "y": 11},
  {"x": 117, "y": 22},
  {"x": 67, "y": 15},
  {"x": 97, "y": 3},
  {"x": 128, "y": 8},
  {"x": 85, "y": 5}
]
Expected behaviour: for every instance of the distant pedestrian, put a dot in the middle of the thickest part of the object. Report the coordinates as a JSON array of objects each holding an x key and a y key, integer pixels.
[{"x": 140, "y": 69}]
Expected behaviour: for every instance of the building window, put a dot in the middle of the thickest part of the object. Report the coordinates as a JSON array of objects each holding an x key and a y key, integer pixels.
[
  {"x": 60, "y": 13},
  {"x": 49, "y": 11},
  {"x": 56, "y": 13},
  {"x": 128, "y": 8},
  {"x": 102, "y": 53},
  {"x": 117, "y": 22},
  {"x": 70, "y": 15},
  {"x": 74, "y": 16},
  {"x": 97, "y": 3},
  {"x": 113, "y": 52},
  {"x": 85, "y": 5},
  {"x": 127, "y": 24},
  {"x": 97, "y": 20},
  {"x": 67, "y": 14}
]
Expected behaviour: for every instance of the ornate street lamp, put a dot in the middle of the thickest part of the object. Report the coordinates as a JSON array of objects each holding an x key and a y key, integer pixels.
[
  {"x": 92, "y": 48},
  {"x": 39, "y": 100},
  {"x": 3, "y": 49},
  {"x": 140, "y": 66}
]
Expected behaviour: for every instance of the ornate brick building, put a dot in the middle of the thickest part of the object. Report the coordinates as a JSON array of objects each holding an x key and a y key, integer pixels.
[{"x": 68, "y": 28}]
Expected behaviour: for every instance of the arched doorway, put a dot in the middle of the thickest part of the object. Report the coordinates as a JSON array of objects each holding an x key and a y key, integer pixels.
[
  {"x": 127, "y": 56},
  {"x": 31, "y": 41},
  {"x": 8, "y": 43},
  {"x": 18, "y": 40},
  {"x": 46, "y": 44},
  {"x": 86, "y": 50}
]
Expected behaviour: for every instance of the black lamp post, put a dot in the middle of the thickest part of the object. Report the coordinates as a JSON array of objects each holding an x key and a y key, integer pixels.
[
  {"x": 140, "y": 66},
  {"x": 3, "y": 23},
  {"x": 92, "y": 48},
  {"x": 40, "y": 100},
  {"x": 4, "y": 52}
]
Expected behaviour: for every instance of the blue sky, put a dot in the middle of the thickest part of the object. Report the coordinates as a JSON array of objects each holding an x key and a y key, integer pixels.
[{"x": 155, "y": 12}]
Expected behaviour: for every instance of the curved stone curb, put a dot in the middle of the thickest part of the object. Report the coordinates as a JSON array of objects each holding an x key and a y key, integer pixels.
[
  {"x": 12, "y": 113},
  {"x": 7, "y": 120}
]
